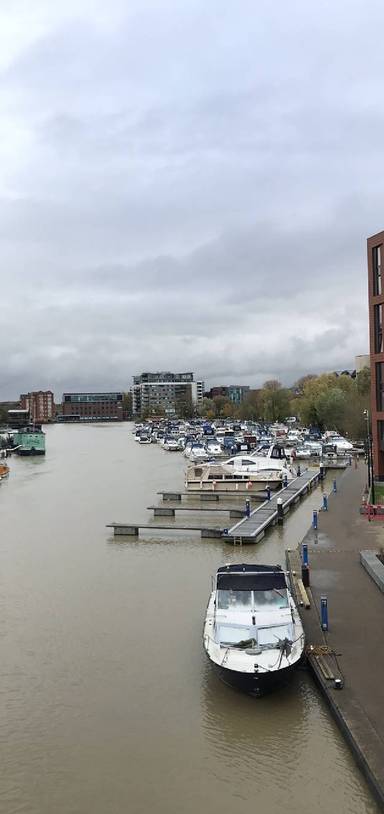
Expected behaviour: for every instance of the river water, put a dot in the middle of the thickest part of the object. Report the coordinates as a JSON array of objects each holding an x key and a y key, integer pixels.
[{"x": 108, "y": 704}]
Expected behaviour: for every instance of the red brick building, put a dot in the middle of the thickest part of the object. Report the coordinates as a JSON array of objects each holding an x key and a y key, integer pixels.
[
  {"x": 375, "y": 245},
  {"x": 40, "y": 404}
]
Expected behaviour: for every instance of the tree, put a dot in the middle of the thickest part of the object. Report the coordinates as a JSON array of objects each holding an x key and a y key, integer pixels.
[
  {"x": 207, "y": 408},
  {"x": 274, "y": 400},
  {"x": 363, "y": 381},
  {"x": 219, "y": 403},
  {"x": 127, "y": 405},
  {"x": 250, "y": 409}
]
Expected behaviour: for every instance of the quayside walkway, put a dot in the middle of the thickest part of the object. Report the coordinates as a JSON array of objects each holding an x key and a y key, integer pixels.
[{"x": 356, "y": 622}]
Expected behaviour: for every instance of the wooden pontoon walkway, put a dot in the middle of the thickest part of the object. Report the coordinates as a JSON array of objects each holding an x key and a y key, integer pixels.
[{"x": 253, "y": 528}]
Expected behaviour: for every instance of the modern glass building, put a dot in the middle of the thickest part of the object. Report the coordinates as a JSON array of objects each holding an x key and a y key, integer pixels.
[{"x": 165, "y": 392}]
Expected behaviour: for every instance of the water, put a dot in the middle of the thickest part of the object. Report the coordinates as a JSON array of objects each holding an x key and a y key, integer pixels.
[{"x": 107, "y": 701}]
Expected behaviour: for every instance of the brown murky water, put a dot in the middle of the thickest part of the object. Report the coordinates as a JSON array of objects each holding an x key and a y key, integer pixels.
[{"x": 107, "y": 702}]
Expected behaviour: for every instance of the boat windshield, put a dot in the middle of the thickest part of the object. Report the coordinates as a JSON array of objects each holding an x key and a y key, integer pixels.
[
  {"x": 273, "y": 599},
  {"x": 234, "y": 599}
]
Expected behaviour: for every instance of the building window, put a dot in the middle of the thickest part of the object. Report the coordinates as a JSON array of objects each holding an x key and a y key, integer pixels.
[
  {"x": 380, "y": 386},
  {"x": 376, "y": 265},
  {"x": 378, "y": 323}
]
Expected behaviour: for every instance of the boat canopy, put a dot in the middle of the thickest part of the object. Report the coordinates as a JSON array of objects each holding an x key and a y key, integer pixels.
[{"x": 255, "y": 577}]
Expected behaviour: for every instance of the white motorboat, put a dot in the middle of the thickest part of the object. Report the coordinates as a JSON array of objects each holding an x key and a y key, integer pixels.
[
  {"x": 198, "y": 453},
  {"x": 342, "y": 445},
  {"x": 240, "y": 473},
  {"x": 145, "y": 438},
  {"x": 253, "y": 634},
  {"x": 213, "y": 447},
  {"x": 171, "y": 444}
]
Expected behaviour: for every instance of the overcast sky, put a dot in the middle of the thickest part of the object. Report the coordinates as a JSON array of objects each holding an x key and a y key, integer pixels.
[{"x": 186, "y": 186}]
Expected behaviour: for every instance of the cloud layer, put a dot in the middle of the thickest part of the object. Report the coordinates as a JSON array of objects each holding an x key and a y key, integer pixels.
[{"x": 185, "y": 186}]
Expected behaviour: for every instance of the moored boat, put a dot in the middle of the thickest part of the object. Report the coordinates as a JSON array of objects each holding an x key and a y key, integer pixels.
[
  {"x": 4, "y": 470},
  {"x": 30, "y": 441},
  {"x": 253, "y": 633}
]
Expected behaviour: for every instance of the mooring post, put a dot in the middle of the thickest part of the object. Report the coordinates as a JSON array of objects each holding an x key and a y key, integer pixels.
[
  {"x": 298, "y": 470},
  {"x": 350, "y": 460},
  {"x": 268, "y": 492},
  {"x": 305, "y": 566},
  {"x": 285, "y": 480},
  {"x": 247, "y": 507},
  {"x": 325, "y": 503},
  {"x": 280, "y": 511},
  {"x": 314, "y": 519},
  {"x": 334, "y": 485},
  {"x": 324, "y": 612}
]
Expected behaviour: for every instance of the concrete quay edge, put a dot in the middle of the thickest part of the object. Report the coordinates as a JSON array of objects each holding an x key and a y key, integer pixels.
[{"x": 373, "y": 567}]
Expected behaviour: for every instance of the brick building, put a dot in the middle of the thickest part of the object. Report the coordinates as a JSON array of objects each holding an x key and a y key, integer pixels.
[
  {"x": 92, "y": 407},
  {"x": 375, "y": 246},
  {"x": 41, "y": 406}
]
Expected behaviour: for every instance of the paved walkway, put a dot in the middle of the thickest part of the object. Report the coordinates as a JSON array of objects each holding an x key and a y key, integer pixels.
[{"x": 356, "y": 619}]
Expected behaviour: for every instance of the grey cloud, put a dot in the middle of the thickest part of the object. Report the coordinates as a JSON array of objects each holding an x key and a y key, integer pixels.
[{"x": 194, "y": 190}]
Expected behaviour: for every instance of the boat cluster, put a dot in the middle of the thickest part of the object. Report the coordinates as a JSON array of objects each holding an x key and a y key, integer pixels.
[{"x": 201, "y": 440}]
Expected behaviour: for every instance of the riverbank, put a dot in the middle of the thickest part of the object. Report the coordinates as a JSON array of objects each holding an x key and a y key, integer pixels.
[{"x": 355, "y": 635}]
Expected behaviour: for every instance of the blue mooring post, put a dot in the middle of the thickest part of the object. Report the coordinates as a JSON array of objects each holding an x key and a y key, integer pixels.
[
  {"x": 305, "y": 554},
  {"x": 325, "y": 503},
  {"x": 298, "y": 471},
  {"x": 324, "y": 612},
  {"x": 285, "y": 480},
  {"x": 268, "y": 492},
  {"x": 314, "y": 519},
  {"x": 247, "y": 508},
  {"x": 334, "y": 485}
]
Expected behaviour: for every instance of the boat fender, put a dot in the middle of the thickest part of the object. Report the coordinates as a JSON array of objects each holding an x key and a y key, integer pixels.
[
  {"x": 249, "y": 485},
  {"x": 213, "y": 485}
]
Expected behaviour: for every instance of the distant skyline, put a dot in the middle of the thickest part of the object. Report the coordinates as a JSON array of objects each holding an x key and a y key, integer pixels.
[{"x": 186, "y": 186}]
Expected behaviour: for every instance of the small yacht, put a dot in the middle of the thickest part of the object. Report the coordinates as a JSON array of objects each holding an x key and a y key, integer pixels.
[
  {"x": 145, "y": 438},
  {"x": 171, "y": 444},
  {"x": 198, "y": 453},
  {"x": 253, "y": 633},
  {"x": 213, "y": 447}
]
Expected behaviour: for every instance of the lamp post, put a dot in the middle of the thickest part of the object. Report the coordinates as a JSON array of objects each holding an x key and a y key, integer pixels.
[{"x": 371, "y": 482}]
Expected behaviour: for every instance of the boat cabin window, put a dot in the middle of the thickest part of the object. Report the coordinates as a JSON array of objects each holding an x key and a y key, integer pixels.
[
  {"x": 274, "y": 599},
  {"x": 234, "y": 599}
]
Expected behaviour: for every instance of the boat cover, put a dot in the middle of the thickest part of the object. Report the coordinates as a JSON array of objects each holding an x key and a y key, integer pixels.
[{"x": 243, "y": 577}]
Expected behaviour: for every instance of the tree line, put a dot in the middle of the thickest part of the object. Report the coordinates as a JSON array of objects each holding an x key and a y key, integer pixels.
[{"x": 329, "y": 401}]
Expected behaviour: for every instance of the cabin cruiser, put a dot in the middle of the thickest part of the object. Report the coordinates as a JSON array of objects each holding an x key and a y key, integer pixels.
[
  {"x": 171, "y": 444},
  {"x": 198, "y": 453},
  {"x": 213, "y": 447},
  {"x": 253, "y": 634},
  {"x": 145, "y": 438},
  {"x": 240, "y": 473}
]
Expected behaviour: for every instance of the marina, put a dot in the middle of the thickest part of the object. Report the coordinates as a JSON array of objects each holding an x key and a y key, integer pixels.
[
  {"x": 250, "y": 529},
  {"x": 115, "y": 720}
]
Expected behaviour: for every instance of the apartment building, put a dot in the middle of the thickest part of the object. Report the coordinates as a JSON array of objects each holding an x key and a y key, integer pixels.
[
  {"x": 41, "y": 406},
  {"x": 175, "y": 394}
]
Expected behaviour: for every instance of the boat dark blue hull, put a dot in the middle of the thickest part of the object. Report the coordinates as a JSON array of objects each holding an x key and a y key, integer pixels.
[{"x": 256, "y": 684}]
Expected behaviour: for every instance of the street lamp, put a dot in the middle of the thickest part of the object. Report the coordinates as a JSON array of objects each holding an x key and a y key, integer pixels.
[{"x": 371, "y": 481}]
